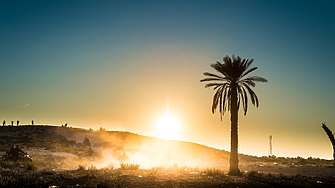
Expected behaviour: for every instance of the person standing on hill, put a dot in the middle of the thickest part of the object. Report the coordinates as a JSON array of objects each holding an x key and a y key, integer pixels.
[
  {"x": 32, "y": 122},
  {"x": 12, "y": 123},
  {"x": 17, "y": 123},
  {"x": 4, "y": 122}
]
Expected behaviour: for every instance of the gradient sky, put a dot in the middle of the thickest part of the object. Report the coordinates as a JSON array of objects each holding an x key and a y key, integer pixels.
[{"x": 119, "y": 65}]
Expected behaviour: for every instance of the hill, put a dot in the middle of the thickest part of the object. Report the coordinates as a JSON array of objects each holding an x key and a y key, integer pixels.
[{"x": 64, "y": 148}]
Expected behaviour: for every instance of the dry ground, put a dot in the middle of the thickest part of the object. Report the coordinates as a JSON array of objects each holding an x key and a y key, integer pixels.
[
  {"x": 266, "y": 176},
  {"x": 322, "y": 171}
]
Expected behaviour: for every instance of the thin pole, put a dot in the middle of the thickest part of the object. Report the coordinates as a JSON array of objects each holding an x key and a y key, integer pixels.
[{"x": 270, "y": 150}]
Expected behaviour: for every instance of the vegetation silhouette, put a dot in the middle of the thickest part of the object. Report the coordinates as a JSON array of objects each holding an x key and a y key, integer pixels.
[
  {"x": 86, "y": 142},
  {"x": 231, "y": 90},
  {"x": 331, "y": 138}
]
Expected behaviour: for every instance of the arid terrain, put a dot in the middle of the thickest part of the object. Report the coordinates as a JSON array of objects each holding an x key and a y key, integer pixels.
[{"x": 73, "y": 157}]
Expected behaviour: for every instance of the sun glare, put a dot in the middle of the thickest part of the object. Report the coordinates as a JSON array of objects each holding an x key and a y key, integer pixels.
[{"x": 167, "y": 127}]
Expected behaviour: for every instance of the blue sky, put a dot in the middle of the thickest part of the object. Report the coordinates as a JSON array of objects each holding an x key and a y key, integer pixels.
[{"x": 117, "y": 64}]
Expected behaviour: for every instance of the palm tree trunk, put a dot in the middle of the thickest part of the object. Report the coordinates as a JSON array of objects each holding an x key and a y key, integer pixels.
[
  {"x": 331, "y": 138},
  {"x": 233, "y": 169}
]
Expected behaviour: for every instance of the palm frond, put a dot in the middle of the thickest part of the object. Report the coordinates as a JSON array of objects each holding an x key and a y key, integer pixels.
[
  {"x": 224, "y": 101},
  {"x": 248, "y": 63},
  {"x": 221, "y": 69},
  {"x": 253, "y": 96},
  {"x": 248, "y": 71},
  {"x": 245, "y": 101},
  {"x": 222, "y": 85},
  {"x": 216, "y": 99},
  {"x": 256, "y": 79},
  {"x": 211, "y": 79},
  {"x": 241, "y": 97},
  {"x": 221, "y": 114},
  {"x": 249, "y": 82},
  {"x": 212, "y": 84},
  {"x": 212, "y": 75}
]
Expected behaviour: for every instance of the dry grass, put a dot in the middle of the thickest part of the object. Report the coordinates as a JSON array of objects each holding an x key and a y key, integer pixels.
[{"x": 155, "y": 177}]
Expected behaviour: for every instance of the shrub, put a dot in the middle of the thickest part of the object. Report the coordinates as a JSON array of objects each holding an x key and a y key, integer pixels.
[
  {"x": 87, "y": 142},
  {"x": 213, "y": 172},
  {"x": 252, "y": 173},
  {"x": 89, "y": 175},
  {"x": 31, "y": 166},
  {"x": 51, "y": 147},
  {"x": 127, "y": 166},
  {"x": 9, "y": 164},
  {"x": 47, "y": 172},
  {"x": 154, "y": 170},
  {"x": 92, "y": 167},
  {"x": 81, "y": 168}
]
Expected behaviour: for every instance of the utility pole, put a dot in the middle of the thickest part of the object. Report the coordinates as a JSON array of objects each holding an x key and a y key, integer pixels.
[{"x": 270, "y": 149}]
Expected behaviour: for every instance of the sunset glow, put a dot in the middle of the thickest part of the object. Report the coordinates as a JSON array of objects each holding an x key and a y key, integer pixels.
[
  {"x": 167, "y": 127},
  {"x": 114, "y": 64}
]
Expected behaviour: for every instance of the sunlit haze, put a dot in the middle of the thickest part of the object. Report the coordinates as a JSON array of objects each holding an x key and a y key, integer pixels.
[
  {"x": 168, "y": 126},
  {"x": 117, "y": 64}
]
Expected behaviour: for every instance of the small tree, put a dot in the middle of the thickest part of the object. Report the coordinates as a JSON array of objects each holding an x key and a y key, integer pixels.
[{"x": 87, "y": 142}]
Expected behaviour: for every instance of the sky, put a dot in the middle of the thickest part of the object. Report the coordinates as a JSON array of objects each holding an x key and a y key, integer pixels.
[{"x": 123, "y": 65}]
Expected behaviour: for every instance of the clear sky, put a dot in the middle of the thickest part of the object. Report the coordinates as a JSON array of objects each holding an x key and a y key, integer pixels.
[{"x": 121, "y": 65}]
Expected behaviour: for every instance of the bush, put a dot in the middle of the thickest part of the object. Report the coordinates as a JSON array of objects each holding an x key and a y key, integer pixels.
[
  {"x": 92, "y": 167},
  {"x": 87, "y": 142},
  {"x": 9, "y": 164},
  {"x": 31, "y": 166},
  {"x": 252, "y": 173},
  {"x": 213, "y": 172},
  {"x": 51, "y": 147},
  {"x": 47, "y": 172},
  {"x": 126, "y": 166},
  {"x": 81, "y": 168}
]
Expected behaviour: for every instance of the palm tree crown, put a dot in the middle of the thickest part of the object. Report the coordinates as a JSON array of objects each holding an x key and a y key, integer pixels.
[{"x": 233, "y": 72}]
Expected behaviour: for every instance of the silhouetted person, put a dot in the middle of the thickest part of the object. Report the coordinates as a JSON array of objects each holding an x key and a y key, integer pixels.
[
  {"x": 17, "y": 123},
  {"x": 17, "y": 152},
  {"x": 4, "y": 123},
  {"x": 12, "y": 123},
  {"x": 65, "y": 125},
  {"x": 11, "y": 151},
  {"x": 32, "y": 122}
]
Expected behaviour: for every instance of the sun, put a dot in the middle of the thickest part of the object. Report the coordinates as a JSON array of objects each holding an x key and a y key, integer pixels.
[{"x": 167, "y": 127}]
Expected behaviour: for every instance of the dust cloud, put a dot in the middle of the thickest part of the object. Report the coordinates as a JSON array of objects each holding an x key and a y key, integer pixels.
[
  {"x": 111, "y": 148},
  {"x": 60, "y": 147}
]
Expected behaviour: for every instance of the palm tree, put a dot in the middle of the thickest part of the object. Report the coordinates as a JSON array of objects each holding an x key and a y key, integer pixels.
[{"x": 231, "y": 90}]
